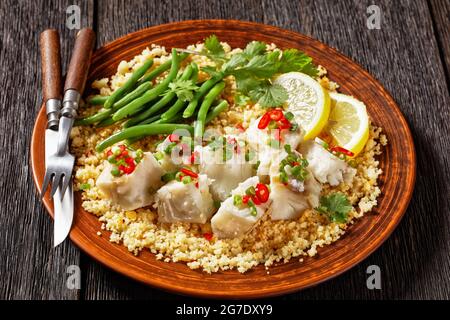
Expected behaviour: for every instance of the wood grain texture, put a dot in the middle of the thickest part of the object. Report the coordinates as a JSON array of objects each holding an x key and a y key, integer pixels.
[
  {"x": 403, "y": 55},
  {"x": 391, "y": 55},
  {"x": 50, "y": 49},
  {"x": 440, "y": 10},
  {"x": 80, "y": 60},
  {"x": 30, "y": 268},
  {"x": 361, "y": 239}
]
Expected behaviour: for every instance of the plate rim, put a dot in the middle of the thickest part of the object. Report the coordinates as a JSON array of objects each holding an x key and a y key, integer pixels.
[{"x": 291, "y": 287}]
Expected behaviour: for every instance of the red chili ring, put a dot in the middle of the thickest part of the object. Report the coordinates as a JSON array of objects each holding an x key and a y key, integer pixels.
[{"x": 264, "y": 122}]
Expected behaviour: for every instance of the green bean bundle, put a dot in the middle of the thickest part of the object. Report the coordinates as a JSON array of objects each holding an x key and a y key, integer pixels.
[
  {"x": 152, "y": 94},
  {"x": 129, "y": 84}
]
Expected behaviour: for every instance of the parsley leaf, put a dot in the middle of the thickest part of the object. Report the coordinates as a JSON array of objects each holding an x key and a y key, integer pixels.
[
  {"x": 335, "y": 206},
  {"x": 241, "y": 100},
  {"x": 184, "y": 89},
  {"x": 215, "y": 49},
  {"x": 254, "y": 48},
  {"x": 246, "y": 83},
  {"x": 269, "y": 95},
  {"x": 260, "y": 67},
  {"x": 295, "y": 60},
  {"x": 254, "y": 67},
  {"x": 212, "y": 71}
]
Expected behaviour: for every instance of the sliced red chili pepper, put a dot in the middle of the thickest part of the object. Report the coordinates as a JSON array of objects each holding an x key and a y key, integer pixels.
[
  {"x": 264, "y": 122},
  {"x": 245, "y": 199},
  {"x": 283, "y": 123},
  {"x": 189, "y": 173},
  {"x": 109, "y": 153},
  {"x": 129, "y": 161},
  {"x": 129, "y": 169},
  {"x": 295, "y": 163},
  {"x": 276, "y": 114},
  {"x": 122, "y": 168},
  {"x": 124, "y": 153},
  {"x": 240, "y": 127},
  {"x": 262, "y": 192},
  {"x": 122, "y": 147},
  {"x": 196, "y": 184},
  {"x": 342, "y": 150},
  {"x": 256, "y": 200},
  {"x": 208, "y": 236},
  {"x": 174, "y": 137}
]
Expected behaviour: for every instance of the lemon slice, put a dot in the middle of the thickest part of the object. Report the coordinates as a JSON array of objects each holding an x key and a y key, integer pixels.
[
  {"x": 308, "y": 101},
  {"x": 348, "y": 122}
]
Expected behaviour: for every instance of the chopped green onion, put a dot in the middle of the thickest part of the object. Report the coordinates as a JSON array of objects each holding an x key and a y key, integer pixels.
[
  {"x": 287, "y": 148},
  {"x": 85, "y": 186},
  {"x": 115, "y": 171},
  {"x": 237, "y": 200},
  {"x": 170, "y": 146},
  {"x": 186, "y": 179},
  {"x": 159, "y": 155},
  {"x": 250, "y": 191},
  {"x": 289, "y": 115}
]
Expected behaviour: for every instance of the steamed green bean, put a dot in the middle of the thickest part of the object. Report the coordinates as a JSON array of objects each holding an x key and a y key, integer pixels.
[
  {"x": 129, "y": 84},
  {"x": 141, "y": 131},
  {"x": 152, "y": 94}
]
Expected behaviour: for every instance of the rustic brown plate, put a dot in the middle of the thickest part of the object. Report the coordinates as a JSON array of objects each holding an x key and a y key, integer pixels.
[{"x": 397, "y": 181}]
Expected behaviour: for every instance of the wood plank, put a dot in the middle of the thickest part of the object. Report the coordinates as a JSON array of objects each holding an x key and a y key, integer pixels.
[
  {"x": 404, "y": 55},
  {"x": 441, "y": 16},
  {"x": 30, "y": 268}
]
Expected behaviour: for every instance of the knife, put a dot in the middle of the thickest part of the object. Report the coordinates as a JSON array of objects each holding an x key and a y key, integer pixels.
[{"x": 51, "y": 88}]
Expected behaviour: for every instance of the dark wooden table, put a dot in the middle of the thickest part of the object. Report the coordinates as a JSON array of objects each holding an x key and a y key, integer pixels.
[{"x": 409, "y": 54}]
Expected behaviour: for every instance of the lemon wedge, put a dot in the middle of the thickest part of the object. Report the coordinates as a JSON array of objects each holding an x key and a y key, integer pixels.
[
  {"x": 308, "y": 101},
  {"x": 348, "y": 122}
]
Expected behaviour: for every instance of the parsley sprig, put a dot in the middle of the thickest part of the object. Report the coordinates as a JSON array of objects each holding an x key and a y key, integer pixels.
[
  {"x": 254, "y": 68},
  {"x": 335, "y": 206},
  {"x": 184, "y": 89}
]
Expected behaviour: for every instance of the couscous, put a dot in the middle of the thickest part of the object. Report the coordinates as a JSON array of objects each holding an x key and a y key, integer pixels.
[{"x": 302, "y": 179}]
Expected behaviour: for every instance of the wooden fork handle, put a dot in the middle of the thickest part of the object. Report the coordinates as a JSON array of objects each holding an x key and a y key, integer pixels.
[
  {"x": 80, "y": 61},
  {"x": 50, "y": 65}
]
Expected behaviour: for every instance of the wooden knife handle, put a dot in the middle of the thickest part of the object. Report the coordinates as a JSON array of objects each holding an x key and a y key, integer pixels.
[
  {"x": 50, "y": 64},
  {"x": 80, "y": 60}
]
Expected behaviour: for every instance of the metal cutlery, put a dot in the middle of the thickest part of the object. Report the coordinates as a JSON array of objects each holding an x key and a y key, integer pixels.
[{"x": 60, "y": 164}]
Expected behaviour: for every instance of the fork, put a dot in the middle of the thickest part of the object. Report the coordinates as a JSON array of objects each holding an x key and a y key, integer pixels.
[{"x": 60, "y": 165}]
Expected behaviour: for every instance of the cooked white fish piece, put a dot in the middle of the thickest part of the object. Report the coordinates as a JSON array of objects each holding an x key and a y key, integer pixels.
[
  {"x": 134, "y": 190},
  {"x": 290, "y": 200},
  {"x": 171, "y": 159},
  {"x": 232, "y": 221},
  {"x": 267, "y": 152},
  {"x": 326, "y": 167},
  {"x": 225, "y": 172},
  {"x": 289, "y": 204},
  {"x": 179, "y": 202}
]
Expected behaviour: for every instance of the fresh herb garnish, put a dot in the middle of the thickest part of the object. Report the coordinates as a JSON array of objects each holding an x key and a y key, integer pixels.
[
  {"x": 184, "y": 89},
  {"x": 254, "y": 67},
  {"x": 335, "y": 206},
  {"x": 296, "y": 163},
  {"x": 214, "y": 48}
]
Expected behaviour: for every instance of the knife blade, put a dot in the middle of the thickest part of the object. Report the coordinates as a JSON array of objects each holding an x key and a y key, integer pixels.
[
  {"x": 63, "y": 208},
  {"x": 51, "y": 87}
]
